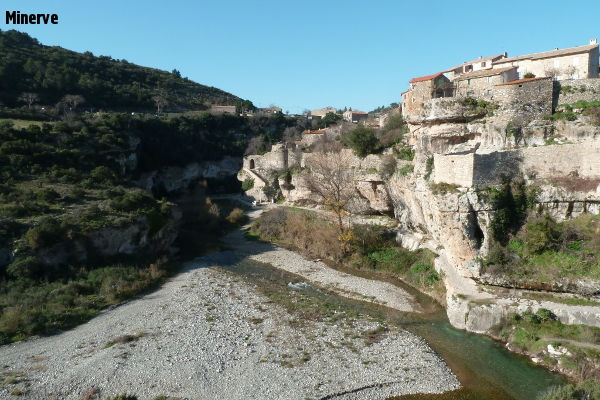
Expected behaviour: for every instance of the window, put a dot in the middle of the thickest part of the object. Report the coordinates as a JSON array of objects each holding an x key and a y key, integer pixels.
[
  {"x": 482, "y": 64},
  {"x": 468, "y": 81},
  {"x": 489, "y": 80},
  {"x": 490, "y": 92}
]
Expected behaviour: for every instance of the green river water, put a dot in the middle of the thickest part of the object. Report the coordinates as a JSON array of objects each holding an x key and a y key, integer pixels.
[{"x": 486, "y": 370}]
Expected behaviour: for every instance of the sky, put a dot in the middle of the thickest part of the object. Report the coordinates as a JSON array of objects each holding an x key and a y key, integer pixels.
[{"x": 310, "y": 54}]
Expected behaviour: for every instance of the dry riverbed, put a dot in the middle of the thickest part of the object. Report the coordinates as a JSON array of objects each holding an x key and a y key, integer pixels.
[{"x": 209, "y": 333}]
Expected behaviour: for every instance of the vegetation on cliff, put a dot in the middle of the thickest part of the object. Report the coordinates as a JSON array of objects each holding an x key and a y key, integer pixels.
[{"x": 48, "y": 73}]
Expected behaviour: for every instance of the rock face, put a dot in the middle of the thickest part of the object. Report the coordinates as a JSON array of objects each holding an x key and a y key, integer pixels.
[
  {"x": 137, "y": 238},
  {"x": 173, "y": 179}
]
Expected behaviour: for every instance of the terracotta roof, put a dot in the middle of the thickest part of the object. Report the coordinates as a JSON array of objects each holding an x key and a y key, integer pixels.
[
  {"x": 475, "y": 61},
  {"x": 358, "y": 112},
  {"x": 548, "y": 54},
  {"x": 425, "y": 78},
  {"x": 484, "y": 72},
  {"x": 522, "y": 81}
]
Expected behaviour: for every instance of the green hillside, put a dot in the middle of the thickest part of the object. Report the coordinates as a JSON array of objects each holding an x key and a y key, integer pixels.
[{"x": 51, "y": 72}]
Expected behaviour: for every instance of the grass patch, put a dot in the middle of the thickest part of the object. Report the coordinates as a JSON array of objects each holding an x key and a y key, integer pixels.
[
  {"x": 532, "y": 332},
  {"x": 124, "y": 339}
]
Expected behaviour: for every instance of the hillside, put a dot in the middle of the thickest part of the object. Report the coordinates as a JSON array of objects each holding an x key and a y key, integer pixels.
[{"x": 51, "y": 72}]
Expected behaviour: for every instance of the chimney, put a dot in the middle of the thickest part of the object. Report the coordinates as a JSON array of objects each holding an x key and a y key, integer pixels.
[
  {"x": 594, "y": 41},
  {"x": 505, "y": 54},
  {"x": 556, "y": 48},
  {"x": 480, "y": 57}
]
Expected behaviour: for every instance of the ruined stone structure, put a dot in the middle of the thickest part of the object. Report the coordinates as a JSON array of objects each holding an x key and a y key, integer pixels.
[
  {"x": 423, "y": 89},
  {"x": 573, "y": 90}
]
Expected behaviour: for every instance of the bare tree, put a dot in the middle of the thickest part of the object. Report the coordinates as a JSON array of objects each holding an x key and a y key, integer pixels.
[
  {"x": 255, "y": 145},
  {"x": 552, "y": 72},
  {"x": 29, "y": 98},
  {"x": 69, "y": 104},
  {"x": 570, "y": 71},
  {"x": 332, "y": 179},
  {"x": 160, "y": 102},
  {"x": 290, "y": 134}
]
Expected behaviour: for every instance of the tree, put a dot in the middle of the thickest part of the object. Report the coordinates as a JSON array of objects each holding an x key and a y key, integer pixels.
[
  {"x": 29, "y": 98},
  {"x": 71, "y": 101},
  {"x": 176, "y": 73},
  {"x": 160, "y": 102},
  {"x": 363, "y": 141},
  {"x": 332, "y": 179}
]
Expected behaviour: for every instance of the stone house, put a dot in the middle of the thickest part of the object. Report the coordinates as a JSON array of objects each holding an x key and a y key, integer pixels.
[
  {"x": 472, "y": 66},
  {"x": 480, "y": 84},
  {"x": 573, "y": 63},
  {"x": 425, "y": 88},
  {"x": 533, "y": 96},
  {"x": 320, "y": 113},
  {"x": 355, "y": 116}
]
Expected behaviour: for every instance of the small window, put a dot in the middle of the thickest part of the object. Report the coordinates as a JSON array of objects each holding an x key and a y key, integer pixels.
[
  {"x": 482, "y": 64},
  {"x": 468, "y": 81},
  {"x": 520, "y": 85},
  {"x": 490, "y": 92},
  {"x": 489, "y": 79}
]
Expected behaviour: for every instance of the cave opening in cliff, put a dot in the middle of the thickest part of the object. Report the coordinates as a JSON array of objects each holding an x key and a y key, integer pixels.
[{"x": 474, "y": 230}]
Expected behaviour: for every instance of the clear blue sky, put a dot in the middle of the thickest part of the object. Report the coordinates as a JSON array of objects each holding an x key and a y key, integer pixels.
[{"x": 310, "y": 54}]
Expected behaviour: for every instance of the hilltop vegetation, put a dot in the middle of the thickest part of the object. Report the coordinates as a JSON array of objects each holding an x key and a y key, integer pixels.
[{"x": 51, "y": 72}]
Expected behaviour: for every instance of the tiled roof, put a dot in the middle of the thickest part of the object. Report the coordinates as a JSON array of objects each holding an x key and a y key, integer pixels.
[
  {"x": 548, "y": 54},
  {"x": 484, "y": 72},
  {"x": 522, "y": 81},
  {"x": 358, "y": 112},
  {"x": 425, "y": 78}
]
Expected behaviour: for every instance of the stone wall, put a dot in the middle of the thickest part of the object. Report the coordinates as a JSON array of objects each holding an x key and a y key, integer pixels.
[
  {"x": 573, "y": 90},
  {"x": 525, "y": 98},
  {"x": 454, "y": 169},
  {"x": 573, "y": 161}
]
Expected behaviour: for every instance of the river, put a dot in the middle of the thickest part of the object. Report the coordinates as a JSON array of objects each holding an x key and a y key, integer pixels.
[{"x": 484, "y": 367}]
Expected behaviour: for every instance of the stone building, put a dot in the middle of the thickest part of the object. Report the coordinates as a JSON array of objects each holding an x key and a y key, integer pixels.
[
  {"x": 322, "y": 112},
  {"x": 355, "y": 116},
  {"x": 480, "y": 84},
  {"x": 472, "y": 66},
  {"x": 572, "y": 63},
  {"x": 425, "y": 88}
]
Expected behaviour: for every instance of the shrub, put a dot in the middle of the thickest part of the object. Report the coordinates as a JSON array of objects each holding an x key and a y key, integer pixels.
[
  {"x": 407, "y": 169},
  {"x": 247, "y": 184},
  {"x": 405, "y": 153},
  {"x": 540, "y": 235},
  {"x": 103, "y": 175},
  {"x": 529, "y": 75},
  {"x": 47, "y": 233},
  {"x": 24, "y": 268},
  {"x": 237, "y": 216},
  {"x": 388, "y": 167},
  {"x": 47, "y": 195},
  {"x": 428, "y": 168},
  {"x": 132, "y": 201}
]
